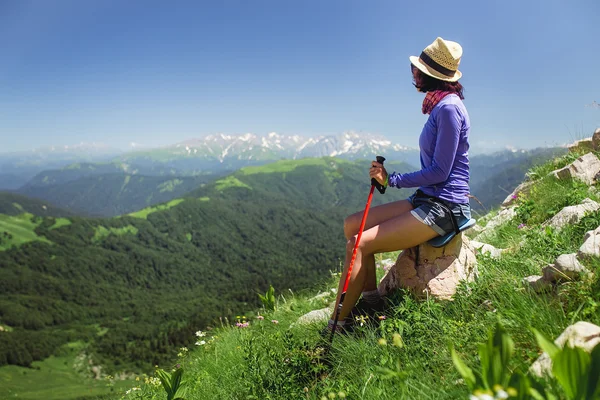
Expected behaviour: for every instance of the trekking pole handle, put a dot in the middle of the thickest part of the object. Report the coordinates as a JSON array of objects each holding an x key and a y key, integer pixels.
[{"x": 379, "y": 186}]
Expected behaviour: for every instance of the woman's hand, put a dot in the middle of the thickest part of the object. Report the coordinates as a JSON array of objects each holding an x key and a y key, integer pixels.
[{"x": 378, "y": 172}]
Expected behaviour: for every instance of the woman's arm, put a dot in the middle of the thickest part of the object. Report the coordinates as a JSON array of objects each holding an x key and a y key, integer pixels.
[{"x": 449, "y": 123}]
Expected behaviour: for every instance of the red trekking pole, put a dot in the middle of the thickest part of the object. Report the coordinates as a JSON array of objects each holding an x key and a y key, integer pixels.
[{"x": 381, "y": 188}]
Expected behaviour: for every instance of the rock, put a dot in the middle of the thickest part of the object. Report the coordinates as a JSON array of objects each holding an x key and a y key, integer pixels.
[
  {"x": 523, "y": 188},
  {"x": 97, "y": 371},
  {"x": 502, "y": 217},
  {"x": 438, "y": 272},
  {"x": 537, "y": 283},
  {"x": 591, "y": 244},
  {"x": 581, "y": 145},
  {"x": 477, "y": 228},
  {"x": 596, "y": 139},
  {"x": 485, "y": 248},
  {"x": 314, "y": 316},
  {"x": 323, "y": 297},
  {"x": 566, "y": 266},
  {"x": 572, "y": 214},
  {"x": 585, "y": 169},
  {"x": 582, "y": 334}
]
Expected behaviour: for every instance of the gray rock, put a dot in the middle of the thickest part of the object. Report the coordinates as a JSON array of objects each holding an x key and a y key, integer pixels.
[
  {"x": 572, "y": 214},
  {"x": 582, "y": 334},
  {"x": 523, "y": 188},
  {"x": 485, "y": 248},
  {"x": 585, "y": 169},
  {"x": 581, "y": 145},
  {"x": 591, "y": 244},
  {"x": 314, "y": 316},
  {"x": 566, "y": 266},
  {"x": 596, "y": 139},
  {"x": 502, "y": 217},
  {"x": 537, "y": 283}
]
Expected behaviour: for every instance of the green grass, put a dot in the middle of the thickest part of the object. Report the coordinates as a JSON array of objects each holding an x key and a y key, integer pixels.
[
  {"x": 290, "y": 165},
  {"x": 102, "y": 232},
  {"x": 205, "y": 198},
  {"x": 54, "y": 379},
  {"x": 169, "y": 186},
  {"x": 19, "y": 229},
  {"x": 229, "y": 182},
  {"x": 281, "y": 361},
  {"x": 149, "y": 210},
  {"x": 18, "y": 206},
  {"x": 60, "y": 222},
  {"x": 125, "y": 182}
]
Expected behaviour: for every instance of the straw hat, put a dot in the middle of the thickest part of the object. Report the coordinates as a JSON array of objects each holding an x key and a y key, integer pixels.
[{"x": 440, "y": 60}]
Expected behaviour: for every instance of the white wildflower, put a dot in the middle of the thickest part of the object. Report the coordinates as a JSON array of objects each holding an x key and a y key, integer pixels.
[
  {"x": 201, "y": 343},
  {"x": 501, "y": 394},
  {"x": 200, "y": 334}
]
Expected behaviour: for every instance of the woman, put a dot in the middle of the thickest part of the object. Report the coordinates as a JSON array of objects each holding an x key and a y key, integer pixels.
[{"x": 444, "y": 176}]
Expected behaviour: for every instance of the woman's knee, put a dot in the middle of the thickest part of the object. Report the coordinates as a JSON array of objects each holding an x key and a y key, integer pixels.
[{"x": 351, "y": 225}]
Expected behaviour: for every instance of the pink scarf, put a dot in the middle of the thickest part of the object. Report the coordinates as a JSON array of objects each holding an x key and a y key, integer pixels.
[{"x": 431, "y": 99}]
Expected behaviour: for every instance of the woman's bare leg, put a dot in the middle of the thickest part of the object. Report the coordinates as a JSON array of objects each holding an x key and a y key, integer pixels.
[
  {"x": 399, "y": 233},
  {"x": 376, "y": 216}
]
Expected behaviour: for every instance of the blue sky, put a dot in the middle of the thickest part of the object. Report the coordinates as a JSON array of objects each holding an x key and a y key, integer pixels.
[{"x": 160, "y": 72}]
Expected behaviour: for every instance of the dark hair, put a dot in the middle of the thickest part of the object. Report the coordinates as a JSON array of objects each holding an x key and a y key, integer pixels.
[{"x": 426, "y": 83}]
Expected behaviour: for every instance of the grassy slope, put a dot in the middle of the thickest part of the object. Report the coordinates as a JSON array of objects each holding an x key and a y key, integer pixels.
[
  {"x": 14, "y": 204},
  {"x": 16, "y": 230},
  {"x": 278, "y": 361},
  {"x": 54, "y": 378}
]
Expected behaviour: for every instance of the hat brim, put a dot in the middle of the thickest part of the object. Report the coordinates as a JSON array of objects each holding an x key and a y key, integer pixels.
[{"x": 424, "y": 68}]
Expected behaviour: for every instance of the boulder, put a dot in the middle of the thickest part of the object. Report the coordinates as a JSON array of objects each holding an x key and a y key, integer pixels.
[
  {"x": 566, "y": 266},
  {"x": 596, "y": 139},
  {"x": 572, "y": 214},
  {"x": 502, "y": 217},
  {"x": 581, "y": 145},
  {"x": 582, "y": 334},
  {"x": 591, "y": 245},
  {"x": 315, "y": 316},
  {"x": 537, "y": 283},
  {"x": 523, "y": 188},
  {"x": 436, "y": 273},
  {"x": 585, "y": 169},
  {"x": 484, "y": 248}
]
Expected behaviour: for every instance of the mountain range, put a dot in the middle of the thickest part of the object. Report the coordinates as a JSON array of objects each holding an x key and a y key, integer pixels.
[
  {"x": 136, "y": 286},
  {"x": 213, "y": 153}
]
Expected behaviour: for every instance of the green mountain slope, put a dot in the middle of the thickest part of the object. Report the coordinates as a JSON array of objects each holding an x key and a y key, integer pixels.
[
  {"x": 407, "y": 355},
  {"x": 108, "y": 195},
  {"x": 15, "y": 204},
  {"x": 137, "y": 286}
]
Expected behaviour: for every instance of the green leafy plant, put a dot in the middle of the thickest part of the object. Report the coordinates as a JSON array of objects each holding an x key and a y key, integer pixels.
[
  {"x": 495, "y": 377},
  {"x": 577, "y": 371},
  {"x": 172, "y": 383},
  {"x": 268, "y": 299}
]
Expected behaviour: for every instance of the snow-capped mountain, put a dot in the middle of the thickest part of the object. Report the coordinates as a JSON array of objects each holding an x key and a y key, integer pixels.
[{"x": 233, "y": 149}]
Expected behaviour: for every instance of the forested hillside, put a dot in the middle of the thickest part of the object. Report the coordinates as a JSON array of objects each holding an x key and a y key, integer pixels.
[
  {"x": 136, "y": 286},
  {"x": 113, "y": 194},
  {"x": 15, "y": 204}
]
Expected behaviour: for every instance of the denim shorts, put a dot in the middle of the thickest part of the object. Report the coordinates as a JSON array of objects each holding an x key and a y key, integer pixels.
[{"x": 436, "y": 216}]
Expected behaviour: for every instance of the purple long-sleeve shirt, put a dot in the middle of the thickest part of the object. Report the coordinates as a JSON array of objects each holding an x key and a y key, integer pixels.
[{"x": 444, "y": 144}]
